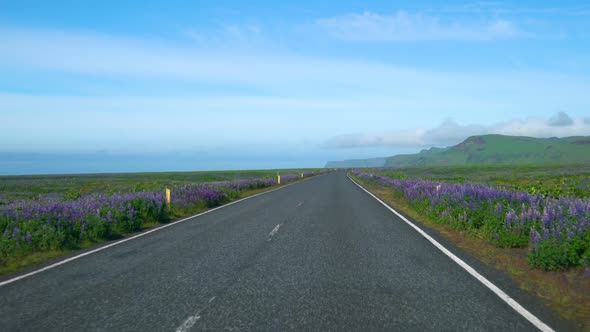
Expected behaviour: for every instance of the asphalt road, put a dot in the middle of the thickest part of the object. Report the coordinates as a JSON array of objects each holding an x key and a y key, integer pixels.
[{"x": 337, "y": 261}]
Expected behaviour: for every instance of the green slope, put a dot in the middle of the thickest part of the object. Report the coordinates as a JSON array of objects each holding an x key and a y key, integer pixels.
[
  {"x": 498, "y": 149},
  {"x": 489, "y": 149}
]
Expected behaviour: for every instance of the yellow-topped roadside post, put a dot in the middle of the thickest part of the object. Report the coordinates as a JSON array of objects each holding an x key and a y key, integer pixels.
[
  {"x": 302, "y": 175},
  {"x": 168, "y": 197},
  {"x": 278, "y": 178}
]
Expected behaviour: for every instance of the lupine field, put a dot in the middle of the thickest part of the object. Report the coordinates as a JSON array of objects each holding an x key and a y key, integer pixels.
[
  {"x": 66, "y": 219},
  {"x": 556, "y": 229}
]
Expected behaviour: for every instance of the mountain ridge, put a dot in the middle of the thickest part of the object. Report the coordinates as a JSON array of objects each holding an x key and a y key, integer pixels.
[{"x": 487, "y": 149}]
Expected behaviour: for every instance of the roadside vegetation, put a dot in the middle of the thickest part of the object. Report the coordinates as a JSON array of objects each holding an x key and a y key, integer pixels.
[
  {"x": 82, "y": 210},
  {"x": 546, "y": 179},
  {"x": 548, "y": 213},
  {"x": 531, "y": 222}
]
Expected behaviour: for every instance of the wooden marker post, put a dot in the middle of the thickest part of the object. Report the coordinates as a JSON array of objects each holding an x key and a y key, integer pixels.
[
  {"x": 168, "y": 197},
  {"x": 278, "y": 179},
  {"x": 302, "y": 175}
]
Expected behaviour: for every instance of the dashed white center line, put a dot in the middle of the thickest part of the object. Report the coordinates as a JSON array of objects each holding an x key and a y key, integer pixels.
[
  {"x": 274, "y": 231},
  {"x": 188, "y": 323},
  {"x": 300, "y": 203},
  {"x": 67, "y": 260}
]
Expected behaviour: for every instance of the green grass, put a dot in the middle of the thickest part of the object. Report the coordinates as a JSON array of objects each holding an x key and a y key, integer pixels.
[
  {"x": 553, "y": 179},
  {"x": 70, "y": 186}
]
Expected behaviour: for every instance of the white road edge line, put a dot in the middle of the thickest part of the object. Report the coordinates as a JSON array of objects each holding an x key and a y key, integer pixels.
[
  {"x": 67, "y": 260},
  {"x": 500, "y": 293}
]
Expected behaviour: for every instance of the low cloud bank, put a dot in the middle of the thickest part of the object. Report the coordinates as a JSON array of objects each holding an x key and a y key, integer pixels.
[
  {"x": 450, "y": 132},
  {"x": 561, "y": 120}
]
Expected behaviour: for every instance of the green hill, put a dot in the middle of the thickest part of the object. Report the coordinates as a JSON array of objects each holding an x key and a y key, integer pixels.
[{"x": 499, "y": 149}]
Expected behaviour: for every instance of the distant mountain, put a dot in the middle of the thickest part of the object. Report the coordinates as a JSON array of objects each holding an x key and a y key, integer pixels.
[{"x": 491, "y": 149}]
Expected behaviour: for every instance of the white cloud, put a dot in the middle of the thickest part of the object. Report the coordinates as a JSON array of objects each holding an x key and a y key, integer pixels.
[
  {"x": 502, "y": 8},
  {"x": 450, "y": 133},
  {"x": 281, "y": 73},
  {"x": 228, "y": 36},
  {"x": 541, "y": 127},
  {"x": 404, "y": 26},
  {"x": 309, "y": 97},
  {"x": 560, "y": 120}
]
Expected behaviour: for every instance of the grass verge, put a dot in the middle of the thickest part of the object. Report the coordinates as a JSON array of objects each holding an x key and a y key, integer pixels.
[{"x": 566, "y": 292}]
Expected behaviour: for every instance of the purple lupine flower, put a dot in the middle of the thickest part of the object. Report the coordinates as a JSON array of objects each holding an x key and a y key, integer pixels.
[
  {"x": 499, "y": 208},
  {"x": 15, "y": 232},
  {"x": 560, "y": 217},
  {"x": 535, "y": 237},
  {"x": 511, "y": 217}
]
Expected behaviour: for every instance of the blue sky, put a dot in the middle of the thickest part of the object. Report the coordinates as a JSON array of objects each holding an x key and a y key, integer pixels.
[{"x": 109, "y": 86}]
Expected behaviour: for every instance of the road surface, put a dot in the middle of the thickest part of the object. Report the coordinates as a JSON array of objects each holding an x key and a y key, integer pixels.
[{"x": 316, "y": 255}]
